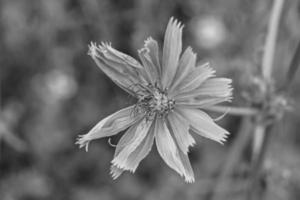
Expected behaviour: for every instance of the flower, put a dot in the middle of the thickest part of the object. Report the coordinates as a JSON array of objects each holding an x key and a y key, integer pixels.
[{"x": 170, "y": 94}]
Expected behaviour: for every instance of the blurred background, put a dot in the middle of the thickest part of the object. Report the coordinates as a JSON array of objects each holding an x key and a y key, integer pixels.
[{"x": 51, "y": 91}]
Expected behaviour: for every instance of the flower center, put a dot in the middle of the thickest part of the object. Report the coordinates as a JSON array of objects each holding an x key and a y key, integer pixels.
[{"x": 152, "y": 100}]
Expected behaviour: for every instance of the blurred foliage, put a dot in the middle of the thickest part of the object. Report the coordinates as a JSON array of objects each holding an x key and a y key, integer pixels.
[{"x": 51, "y": 91}]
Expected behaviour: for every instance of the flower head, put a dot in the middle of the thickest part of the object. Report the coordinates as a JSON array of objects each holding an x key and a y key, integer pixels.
[{"x": 170, "y": 92}]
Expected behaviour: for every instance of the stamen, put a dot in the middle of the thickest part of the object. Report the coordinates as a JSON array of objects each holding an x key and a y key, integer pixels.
[{"x": 153, "y": 101}]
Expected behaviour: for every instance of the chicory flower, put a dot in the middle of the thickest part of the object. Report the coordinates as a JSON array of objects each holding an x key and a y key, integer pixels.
[{"x": 171, "y": 91}]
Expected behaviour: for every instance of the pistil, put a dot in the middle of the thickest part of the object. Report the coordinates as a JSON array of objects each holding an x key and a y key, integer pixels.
[{"x": 152, "y": 101}]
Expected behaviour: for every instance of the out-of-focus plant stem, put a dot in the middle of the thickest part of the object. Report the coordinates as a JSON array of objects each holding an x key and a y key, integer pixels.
[
  {"x": 235, "y": 153},
  {"x": 255, "y": 191},
  {"x": 261, "y": 132},
  {"x": 256, "y": 186},
  {"x": 258, "y": 138},
  {"x": 267, "y": 63},
  {"x": 294, "y": 65},
  {"x": 269, "y": 49}
]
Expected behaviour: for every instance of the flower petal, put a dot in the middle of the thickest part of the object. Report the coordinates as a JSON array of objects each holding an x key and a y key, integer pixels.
[
  {"x": 195, "y": 78},
  {"x": 179, "y": 128},
  {"x": 109, "y": 126},
  {"x": 137, "y": 155},
  {"x": 202, "y": 102},
  {"x": 167, "y": 148},
  {"x": 121, "y": 68},
  {"x": 213, "y": 87},
  {"x": 123, "y": 142},
  {"x": 152, "y": 45},
  {"x": 138, "y": 133},
  {"x": 119, "y": 60},
  {"x": 141, "y": 151},
  {"x": 171, "y": 51},
  {"x": 187, "y": 64},
  {"x": 203, "y": 125},
  {"x": 151, "y": 70},
  {"x": 188, "y": 170},
  {"x": 115, "y": 172}
]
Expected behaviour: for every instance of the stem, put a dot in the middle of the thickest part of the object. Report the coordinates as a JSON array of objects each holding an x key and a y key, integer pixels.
[
  {"x": 259, "y": 136},
  {"x": 261, "y": 132},
  {"x": 239, "y": 111},
  {"x": 256, "y": 188},
  {"x": 294, "y": 65},
  {"x": 269, "y": 48},
  {"x": 235, "y": 153}
]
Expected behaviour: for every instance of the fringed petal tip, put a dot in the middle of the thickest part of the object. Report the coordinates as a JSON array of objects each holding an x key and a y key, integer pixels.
[
  {"x": 229, "y": 95},
  {"x": 227, "y": 81},
  {"x": 223, "y": 139},
  {"x": 228, "y": 98},
  {"x": 143, "y": 50},
  {"x": 83, "y": 141},
  {"x": 226, "y": 85},
  {"x": 189, "y": 179},
  {"x": 117, "y": 163},
  {"x": 102, "y": 48},
  {"x": 148, "y": 41},
  {"x": 192, "y": 144},
  {"x": 115, "y": 172},
  {"x": 176, "y": 23},
  {"x": 92, "y": 49},
  {"x": 206, "y": 67},
  {"x": 121, "y": 164}
]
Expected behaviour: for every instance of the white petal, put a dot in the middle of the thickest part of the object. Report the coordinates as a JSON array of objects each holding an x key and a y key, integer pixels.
[
  {"x": 137, "y": 155},
  {"x": 140, "y": 152},
  {"x": 203, "y": 125},
  {"x": 138, "y": 133},
  {"x": 171, "y": 51},
  {"x": 188, "y": 170},
  {"x": 187, "y": 64},
  {"x": 115, "y": 172},
  {"x": 152, "y": 45},
  {"x": 114, "y": 57},
  {"x": 123, "y": 142},
  {"x": 167, "y": 148},
  {"x": 179, "y": 128},
  {"x": 214, "y": 87},
  {"x": 195, "y": 78},
  {"x": 202, "y": 102},
  {"x": 110, "y": 125},
  {"x": 119, "y": 67},
  {"x": 151, "y": 71}
]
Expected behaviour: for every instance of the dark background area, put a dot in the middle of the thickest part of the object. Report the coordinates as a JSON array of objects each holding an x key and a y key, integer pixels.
[{"x": 51, "y": 91}]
